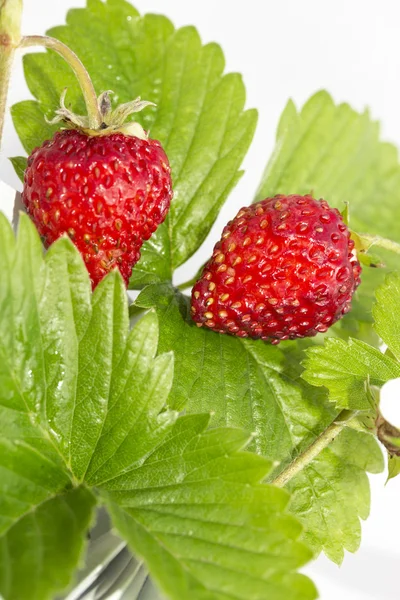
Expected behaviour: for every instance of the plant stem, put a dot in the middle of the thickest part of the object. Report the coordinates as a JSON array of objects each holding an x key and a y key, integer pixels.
[
  {"x": 10, "y": 26},
  {"x": 383, "y": 243},
  {"x": 322, "y": 441},
  {"x": 376, "y": 240},
  {"x": 88, "y": 91}
]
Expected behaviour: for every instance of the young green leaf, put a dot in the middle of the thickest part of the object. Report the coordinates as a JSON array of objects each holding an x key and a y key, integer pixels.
[
  {"x": 199, "y": 117},
  {"x": 256, "y": 386},
  {"x": 89, "y": 361},
  {"x": 197, "y": 514},
  {"x": 332, "y": 493},
  {"x": 347, "y": 370},
  {"x": 345, "y": 367}
]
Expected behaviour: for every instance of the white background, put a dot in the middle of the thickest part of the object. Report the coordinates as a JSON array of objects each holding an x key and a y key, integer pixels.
[{"x": 289, "y": 48}]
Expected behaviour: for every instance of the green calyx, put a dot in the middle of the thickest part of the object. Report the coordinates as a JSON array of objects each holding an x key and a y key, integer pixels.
[
  {"x": 101, "y": 120},
  {"x": 112, "y": 121}
]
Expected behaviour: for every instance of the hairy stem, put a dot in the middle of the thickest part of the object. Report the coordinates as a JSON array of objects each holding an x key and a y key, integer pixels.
[
  {"x": 322, "y": 441},
  {"x": 10, "y": 26},
  {"x": 375, "y": 240},
  {"x": 88, "y": 91},
  {"x": 365, "y": 241}
]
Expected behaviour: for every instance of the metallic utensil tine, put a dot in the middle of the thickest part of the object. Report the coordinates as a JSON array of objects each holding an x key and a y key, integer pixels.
[
  {"x": 131, "y": 578},
  {"x": 101, "y": 552}
]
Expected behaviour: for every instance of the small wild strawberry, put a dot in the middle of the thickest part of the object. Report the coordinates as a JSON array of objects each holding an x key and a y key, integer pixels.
[
  {"x": 284, "y": 269},
  {"x": 108, "y": 188}
]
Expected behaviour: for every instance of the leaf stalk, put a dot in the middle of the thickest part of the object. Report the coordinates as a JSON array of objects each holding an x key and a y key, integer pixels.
[
  {"x": 310, "y": 453},
  {"x": 366, "y": 241}
]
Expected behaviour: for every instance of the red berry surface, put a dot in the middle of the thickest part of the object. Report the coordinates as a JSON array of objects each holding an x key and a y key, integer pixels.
[
  {"x": 284, "y": 269},
  {"x": 108, "y": 193}
]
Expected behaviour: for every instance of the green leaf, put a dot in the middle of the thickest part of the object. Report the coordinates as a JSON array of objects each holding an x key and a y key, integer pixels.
[
  {"x": 42, "y": 520},
  {"x": 30, "y": 472},
  {"x": 30, "y": 124},
  {"x": 41, "y": 550},
  {"x": 393, "y": 466},
  {"x": 155, "y": 263},
  {"x": 331, "y": 494},
  {"x": 136, "y": 422},
  {"x": 82, "y": 403},
  {"x": 19, "y": 164},
  {"x": 70, "y": 373},
  {"x": 332, "y": 151},
  {"x": 91, "y": 360},
  {"x": 241, "y": 382},
  {"x": 199, "y": 117},
  {"x": 256, "y": 386},
  {"x": 197, "y": 514},
  {"x": 387, "y": 315},
  {"x": 345, "y": 367}
]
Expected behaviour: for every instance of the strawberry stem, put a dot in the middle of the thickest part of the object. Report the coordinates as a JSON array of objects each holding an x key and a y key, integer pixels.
[
  {"x": 375, "y": 240},
  {"x": 10, "y": 26},
  {"x": 88, "y": 91},
  {"x": 310, "y": 453}
]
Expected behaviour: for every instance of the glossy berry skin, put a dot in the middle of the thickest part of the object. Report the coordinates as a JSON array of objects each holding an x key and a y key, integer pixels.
[
  {"x": 284, "y": 269},
  {"x": 107, "y": 193}
]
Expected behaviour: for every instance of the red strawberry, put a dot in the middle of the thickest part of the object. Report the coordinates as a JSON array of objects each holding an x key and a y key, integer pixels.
[
  {"x": 107, "y": 188},
  {"x": 284, "y": 269},
  {"x": 107, "y": 193}
]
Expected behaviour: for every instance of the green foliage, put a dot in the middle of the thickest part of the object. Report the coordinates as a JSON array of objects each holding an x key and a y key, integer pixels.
[
  {"x": 43, "y": 521},
  {"x": 194, "y": 511},
  {"x": 41, "y": 550},
  {"x": 199, "y": 117},
  {"x": 243, "y": 383},
  {"x": 82, "y": 405},
  {"x": 332, "y": 492},
  {"x": 19, "y": 164},
  {"x": 332, "y": 151},
  {"x": 345, "y": 368},
  {"x": 256, "y": 386},
  {"x": 393, "y": 466},
  {"x": 86, "y": 402},
  {"x": 349, "y": 369}
]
